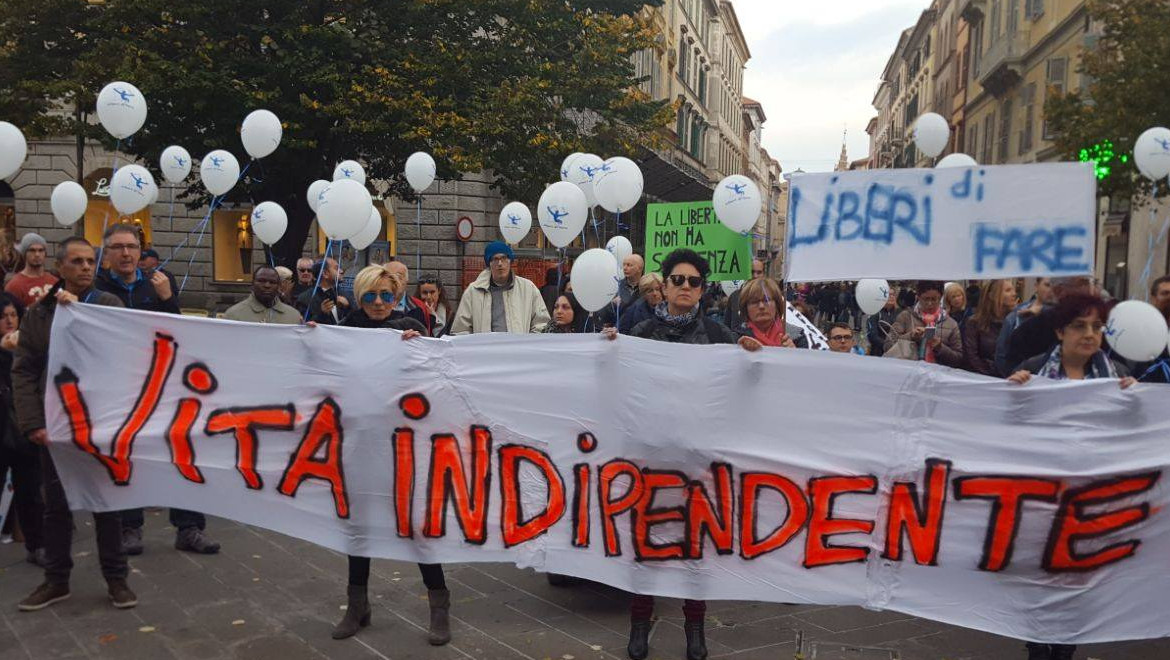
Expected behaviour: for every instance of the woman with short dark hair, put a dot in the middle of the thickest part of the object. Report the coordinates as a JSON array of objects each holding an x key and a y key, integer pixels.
[
  {"x": 925, "y": 332},
  {"x": 1080, "y": 321}
]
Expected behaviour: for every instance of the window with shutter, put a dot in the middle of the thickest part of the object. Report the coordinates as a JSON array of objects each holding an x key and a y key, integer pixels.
[
  {"x": 1028, "y": 102},
  {"x": 988, "y": 139},
  {"x": 1005, "y": 130},
  {"x": 1056, "y": 80}
]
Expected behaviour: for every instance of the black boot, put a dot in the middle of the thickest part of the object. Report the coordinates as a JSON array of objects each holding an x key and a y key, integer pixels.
[
  {"x": 357, "y": 613},
  {"x": 696, "y": 641},
  {"x": 1063, "y": 651},
  {"x": 440, "y": 632},
  {"x": 1038, "y": 651},
  {"x": 639, "y": 646}
]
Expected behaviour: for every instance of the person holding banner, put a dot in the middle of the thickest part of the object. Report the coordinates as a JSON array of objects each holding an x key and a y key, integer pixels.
[
  {"x": 154, "y": 293},
  {"x": 16, "y": 452},
  {"x": 568, "y": 316},
  {"x": 76, "y": 263},
  {"x": 761, "y": 303},
  {"x": 925, "y": 332},
  {"x": 981, "y": 331},
  {"x": 376, "y": 289},
  {"x": 1079, "y": 320}
]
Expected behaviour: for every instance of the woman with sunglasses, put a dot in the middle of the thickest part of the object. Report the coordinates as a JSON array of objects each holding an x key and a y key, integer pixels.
[
  {"x": 1080, "y": 328},
  {"x": 430, "y": 290},
  {"x": 377, "y": 290},
  {"x": 680, "y": 320}
]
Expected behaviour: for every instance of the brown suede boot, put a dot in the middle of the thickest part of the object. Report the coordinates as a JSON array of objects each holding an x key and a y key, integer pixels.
[
  {"x": 357, "y": 613},
  {"x": 440, "y": 632}
]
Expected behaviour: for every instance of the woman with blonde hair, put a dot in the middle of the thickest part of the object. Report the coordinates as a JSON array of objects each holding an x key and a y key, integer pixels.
[
  {"x": 955, "y": 302},
  {"x": 981, "y": 331},
  {"x": 376, "y": 291},
  {"x": 650, "y": 294}
]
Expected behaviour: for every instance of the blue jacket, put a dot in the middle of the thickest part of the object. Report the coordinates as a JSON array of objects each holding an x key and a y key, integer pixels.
[{"x": 140, "y": 293}]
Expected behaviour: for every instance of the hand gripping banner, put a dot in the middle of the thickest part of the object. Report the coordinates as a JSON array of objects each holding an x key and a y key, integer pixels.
[{"x": 1035, "y": 511}]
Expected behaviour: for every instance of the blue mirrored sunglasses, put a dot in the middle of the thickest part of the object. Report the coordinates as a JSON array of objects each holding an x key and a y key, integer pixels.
[{"x": 368, "y": 298}]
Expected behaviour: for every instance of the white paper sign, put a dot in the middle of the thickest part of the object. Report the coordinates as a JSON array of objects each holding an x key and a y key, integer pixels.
[
  {"x": 1036, "y": 512},
  {"x": 982, "y": 222}
]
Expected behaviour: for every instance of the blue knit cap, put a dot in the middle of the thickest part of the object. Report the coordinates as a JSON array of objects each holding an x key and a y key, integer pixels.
[{"x": 494, "y": 248}]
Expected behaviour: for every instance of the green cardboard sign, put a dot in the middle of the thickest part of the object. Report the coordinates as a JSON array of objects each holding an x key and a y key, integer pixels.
[{"x": 694, "y": 225}]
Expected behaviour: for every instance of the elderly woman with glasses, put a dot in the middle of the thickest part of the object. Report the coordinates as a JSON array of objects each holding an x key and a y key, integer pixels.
[
  {"x": 926, "y": 332},
  {"x": 377, "y": 290},
  {"x": 762, "y": 305}
]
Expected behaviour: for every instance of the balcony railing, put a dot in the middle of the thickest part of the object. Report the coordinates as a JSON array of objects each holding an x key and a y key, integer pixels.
[{"x": 999, "y": 68}]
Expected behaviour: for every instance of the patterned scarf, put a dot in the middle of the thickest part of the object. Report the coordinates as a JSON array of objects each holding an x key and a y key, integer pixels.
[
  {"x": 678, "y": 321},
  {"x": 1099, "y": 366},
  {"x": 931, "y": 320}
]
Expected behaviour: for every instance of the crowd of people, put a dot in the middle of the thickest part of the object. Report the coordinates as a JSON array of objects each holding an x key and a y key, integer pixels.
[{"x": 983, "y": 328}]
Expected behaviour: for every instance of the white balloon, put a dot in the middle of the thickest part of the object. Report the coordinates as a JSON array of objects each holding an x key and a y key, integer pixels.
[
  {"x": 153, "y": 196},
  {"x": 344, "y": 209},
  {"x": 730, "y": 286},
  {"x": 131, "y": 189},
  {"x": 219, "y": 171},
  {"x": 269, "y": 222},
  {"x": 1151, "y": 153},
  {"x": 594, "y": 282},
  {"x": 350, "y": 169},
  {"x": 957, "y": 160},
  {"x": 872, "y": 295},
  {"x": 13, "y": 149},
  {"x": 1136, "y": 331},
  {"x": 737, "y": 203},
  {"x": 562, "y": 213},
  {"x": 313, "y": 195},
  {"x": 620, "y": 248},
  {"x": 515, "y": 222},
  {"x": 121, "y": 109},
  {"x": 175, "y": 164},
  {"x": 68, "y": 202},
  {"x": 420, "y": 171},
  {"x": 567, "y": 165},
  {"x": 586, "y": 167},
  {"x": 931, "y": 134},
  {"x": 261, "y": 133},
  {"x": 618, "y": 185},
  {"x": 369, "y": 233}
]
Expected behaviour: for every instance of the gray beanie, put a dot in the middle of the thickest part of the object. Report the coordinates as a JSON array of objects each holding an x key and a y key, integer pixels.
[{"x": 30, "y": 239}]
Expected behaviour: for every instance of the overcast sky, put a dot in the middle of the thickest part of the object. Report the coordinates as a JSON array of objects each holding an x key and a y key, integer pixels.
[{"x": 815, "y": 67}]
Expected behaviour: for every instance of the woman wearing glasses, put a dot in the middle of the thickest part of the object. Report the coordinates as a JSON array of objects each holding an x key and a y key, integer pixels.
[
  {"x": 1079, "y": 320},
  {"x": 377, "y": 291},
  {"x": 762, "y": 305},
  {"x": 678, "y": 319},
  {"x": 926, "y": 332}
]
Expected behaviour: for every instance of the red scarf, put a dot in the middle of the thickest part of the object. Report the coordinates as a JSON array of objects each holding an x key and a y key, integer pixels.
[
  {"x": 932, "y": 320},
  {"x": 773, "y": 336}
]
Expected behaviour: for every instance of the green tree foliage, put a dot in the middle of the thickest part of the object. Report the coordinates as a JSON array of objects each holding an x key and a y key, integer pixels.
[
  {"x": 505, "y": 86},
  {"x": 1128, "y": 70}
]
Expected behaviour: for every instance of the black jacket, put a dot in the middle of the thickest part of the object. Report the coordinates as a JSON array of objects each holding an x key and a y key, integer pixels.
[
  {"x": 701, "y": 330},
  {"x": 396, "y": 321},
  {"x": 139, "y": 294},
  {"x": 1034, "y": 364},
  {"x": 313, "y": 300},
  {"x": 1035, "y": 336}
]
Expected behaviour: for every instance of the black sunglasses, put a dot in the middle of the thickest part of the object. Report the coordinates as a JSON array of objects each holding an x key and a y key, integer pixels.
[
  {"x": 694, "y": 280},
  {"x": 428, "y": 280}
]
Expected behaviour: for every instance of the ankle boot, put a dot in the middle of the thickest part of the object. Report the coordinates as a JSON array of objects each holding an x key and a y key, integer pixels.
[
  {"x": 357, "y": 614},
  {"x": 1063, "y": 651},
  {"x": 696, "y": 641},
  {"x": 639, "y": 646},
  {"x": 440, "y": 632}
]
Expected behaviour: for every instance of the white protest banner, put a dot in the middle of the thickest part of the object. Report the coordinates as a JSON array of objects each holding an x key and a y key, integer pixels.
[
  {"x": 1035, "y": 511},
  {"x": 982, "y": 222}
]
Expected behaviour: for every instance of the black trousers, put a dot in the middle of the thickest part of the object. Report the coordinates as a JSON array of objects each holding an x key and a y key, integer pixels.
[
  {"x": 58, "y": 532},
  {"x": 27, "y": 503},
  {"x": 180, "y": 518},
  {"x": 359, "y": 573}
]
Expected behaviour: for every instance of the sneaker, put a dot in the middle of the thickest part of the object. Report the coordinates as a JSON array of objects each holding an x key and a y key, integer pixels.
[
  {"x": 37, "y": 557},
  {"x": 194, "y": 540},
  {"x": 44, "y": 596},
  {"x": 121, "y": 596},
  {"x": 132, "y": 540}
]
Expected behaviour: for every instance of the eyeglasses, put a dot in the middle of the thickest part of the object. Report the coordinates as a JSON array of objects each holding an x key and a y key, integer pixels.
[
  {"x": 1086, "y": 327},
  {"x": 840, "y": 337},
  {"x": 304, "y": 270},
  {"x": 694, "y": 280},
  {"x": 500, "y": 258},
  {"x": 123, "y": 247},
  {"x": 369, "y": 297}
]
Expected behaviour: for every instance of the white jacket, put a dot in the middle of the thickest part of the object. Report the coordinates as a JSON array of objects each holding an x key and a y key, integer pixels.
[{"x": 523, "y": 307}]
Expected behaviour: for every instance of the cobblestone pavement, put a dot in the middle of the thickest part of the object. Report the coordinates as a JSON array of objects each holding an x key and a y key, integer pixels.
[{"x": 267, "y": 596}]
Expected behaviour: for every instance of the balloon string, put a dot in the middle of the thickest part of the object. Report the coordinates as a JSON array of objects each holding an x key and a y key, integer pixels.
[
  {"x": 202, "y": 230},
  {"x": 596, "y": 233},
  {"x": 418, "y": 238},
  {"x": 324, "y": 260},
  {"x": 106, "y": 219},
  {"x": 560, "y": 274}
]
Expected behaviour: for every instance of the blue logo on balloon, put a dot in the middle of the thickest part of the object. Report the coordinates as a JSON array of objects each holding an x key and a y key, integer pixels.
[
  {"x": 258, "y": 214},
  {"x": 557, "y": 215},
  {"x": 515, "y": 219},
  {"x": 139, "y": 182},
  {"x": 589, "y": 171},
  {"x": 126, "y": 96},
  {"x": 180, "y": 161},
  {"x": 346, "y": 172},
  {"x": 1164, "y": 143},
  {"x": 738, "y": 188},
  {"x": 216, "y": 161}
]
